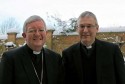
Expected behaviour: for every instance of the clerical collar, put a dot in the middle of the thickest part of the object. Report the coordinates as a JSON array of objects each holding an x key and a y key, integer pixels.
[
  {"x": 31, "y": 51},
  {"x": 89, "y": 47},
  {"x": 35, "y": 52}
]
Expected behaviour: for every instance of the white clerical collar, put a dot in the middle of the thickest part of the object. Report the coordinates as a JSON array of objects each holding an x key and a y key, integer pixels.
[
  {"x": 36, "y": 52},
  {"x": 88, "y": 47}
]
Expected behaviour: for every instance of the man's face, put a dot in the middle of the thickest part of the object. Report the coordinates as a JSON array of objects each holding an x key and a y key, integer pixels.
[
  {"x": 87, "y": 29},
  {"x": 35, "y": 35}
]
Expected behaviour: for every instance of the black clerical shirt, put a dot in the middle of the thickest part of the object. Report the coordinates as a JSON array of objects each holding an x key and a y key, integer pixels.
[
  {"x": 88, "y": 51},
  {"x": 88, "y": 64},
  {"x": 37, "y": 61}
]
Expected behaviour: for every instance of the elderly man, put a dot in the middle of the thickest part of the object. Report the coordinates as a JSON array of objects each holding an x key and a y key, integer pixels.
[
  {"x": 92, "y": 61},
  {"x": 31, "y": 63}
]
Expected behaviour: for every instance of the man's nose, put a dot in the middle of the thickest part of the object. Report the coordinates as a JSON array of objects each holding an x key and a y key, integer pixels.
[
  {"x": 85, "y": 29},
  {"x": 37, "y": 32}
]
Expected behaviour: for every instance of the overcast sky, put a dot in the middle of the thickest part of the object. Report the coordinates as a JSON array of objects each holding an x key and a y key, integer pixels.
[{"x": 108, "y": 12}]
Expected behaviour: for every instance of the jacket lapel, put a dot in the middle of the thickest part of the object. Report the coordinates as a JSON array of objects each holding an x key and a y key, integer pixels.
[
  {"x": 50, "y": 71},
  {"x": 28, "y": 66},
  {"x": 78, "y": 61},
  {"x": 99, "y": 59}
]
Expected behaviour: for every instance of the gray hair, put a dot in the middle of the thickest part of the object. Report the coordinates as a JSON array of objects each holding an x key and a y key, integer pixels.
[
  {"x": 31, "y": 19},
  {"x": 86, "y": 14}
]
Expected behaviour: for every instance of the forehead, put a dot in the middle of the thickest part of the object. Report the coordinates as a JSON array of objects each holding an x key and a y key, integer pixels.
[
  {"x": 36, "y": 24},
  {"x": 86, "y": 20}
]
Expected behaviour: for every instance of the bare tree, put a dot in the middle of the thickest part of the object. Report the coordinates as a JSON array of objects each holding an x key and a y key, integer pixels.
[
  {"x": 71, "y": 27},
  {"x": 9, "y": 23},
  {"x": 65, "y": 26}
]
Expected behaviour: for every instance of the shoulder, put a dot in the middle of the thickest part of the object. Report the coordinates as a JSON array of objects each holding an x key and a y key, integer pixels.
[
  {"x": 72, "y": 48},
  {"x": 105, "y": 43},
  {"x": 50, "y": 52},
  {"x": 14, "y": 52},
  {"x": 107, "y": 46}
]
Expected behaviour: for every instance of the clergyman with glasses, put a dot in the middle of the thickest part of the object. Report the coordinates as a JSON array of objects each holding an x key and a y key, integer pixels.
[
  {"x": 92, "y": 61},
  {"x": 32, "y": 63}
]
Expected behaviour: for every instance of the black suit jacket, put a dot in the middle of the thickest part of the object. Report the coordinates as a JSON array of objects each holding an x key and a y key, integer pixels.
[
  {"x": 17, "y": 68},
  {"x": 110, "y": 67}
]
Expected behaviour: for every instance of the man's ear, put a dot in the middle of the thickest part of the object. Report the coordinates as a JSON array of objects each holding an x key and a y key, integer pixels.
[
  {"x": 46, "y": 32},
  {"x": 24, "y": 35},
  {"x": 97, "y": 28}
]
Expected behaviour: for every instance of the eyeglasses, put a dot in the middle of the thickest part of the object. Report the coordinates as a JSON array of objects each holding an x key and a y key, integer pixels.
[
  {"x": 86, "y": 26},
  {"x": 31, "y": 30}
]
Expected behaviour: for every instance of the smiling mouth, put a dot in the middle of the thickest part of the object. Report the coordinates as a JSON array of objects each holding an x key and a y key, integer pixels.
[
  {"x": 37, "y": 39},
  {"x": 85, "y": 35}
]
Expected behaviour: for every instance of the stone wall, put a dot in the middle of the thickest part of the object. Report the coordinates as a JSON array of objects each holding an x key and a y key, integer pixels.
[{"x": 60, "y": 42}]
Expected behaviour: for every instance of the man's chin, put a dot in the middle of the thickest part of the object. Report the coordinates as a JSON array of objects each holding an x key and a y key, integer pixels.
[
  {"x": 38, "y": 45},
  {"x": 86, "y": 41}
]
